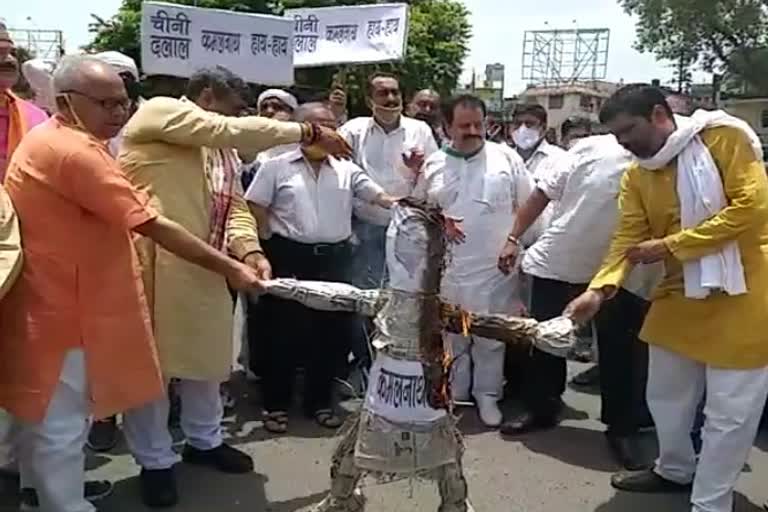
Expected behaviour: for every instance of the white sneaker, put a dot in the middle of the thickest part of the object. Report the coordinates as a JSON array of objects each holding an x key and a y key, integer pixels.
[{"x": 488, "y": 408}]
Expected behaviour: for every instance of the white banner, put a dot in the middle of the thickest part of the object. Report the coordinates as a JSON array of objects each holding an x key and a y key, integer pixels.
[
  {"x": 178, "y": 40},
  {"x": 349, "y": 35}
]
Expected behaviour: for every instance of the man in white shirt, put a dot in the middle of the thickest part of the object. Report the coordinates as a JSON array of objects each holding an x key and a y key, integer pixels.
[
  {"x": 483, "y": 183},
  {"x": 527, "y": 136},
  {"x": 425, "y": 106},
  {"x": 391, "y": 149},
  {"x": 562, "y": 262},
  {"x": 302, "y": 201}
]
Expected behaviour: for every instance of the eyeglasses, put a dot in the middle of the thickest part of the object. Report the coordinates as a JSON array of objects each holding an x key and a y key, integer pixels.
[{"x": 106, "y": 103}]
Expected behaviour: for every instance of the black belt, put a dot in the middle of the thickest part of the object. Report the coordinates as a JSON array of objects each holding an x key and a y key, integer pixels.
[{"x": 320, "y": 250}]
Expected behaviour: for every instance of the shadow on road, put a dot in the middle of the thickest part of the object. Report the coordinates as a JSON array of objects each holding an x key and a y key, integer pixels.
[
  {"x": 199, "y": 489},
  {"x": 575, "y": 446},
  {"x": 628, "y": 502}
]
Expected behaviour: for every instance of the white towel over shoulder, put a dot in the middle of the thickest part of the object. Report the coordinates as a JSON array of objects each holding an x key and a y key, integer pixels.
[{"x": 701, "y": 194}]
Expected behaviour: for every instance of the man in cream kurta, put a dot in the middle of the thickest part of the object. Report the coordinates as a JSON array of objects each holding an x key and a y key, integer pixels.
[
  {"x": 482, "y": 183},
  {"x": 706, "y": 336},
  {"x": 181, "y": 152}
]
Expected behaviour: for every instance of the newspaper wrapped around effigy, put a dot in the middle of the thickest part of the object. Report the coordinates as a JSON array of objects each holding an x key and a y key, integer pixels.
[
  {"x": 394, "y": 311},
  {"x": 406, "y": 425}
]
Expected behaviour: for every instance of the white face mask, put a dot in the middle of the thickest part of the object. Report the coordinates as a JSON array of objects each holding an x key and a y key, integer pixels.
[{"x": 526, "y": 138}]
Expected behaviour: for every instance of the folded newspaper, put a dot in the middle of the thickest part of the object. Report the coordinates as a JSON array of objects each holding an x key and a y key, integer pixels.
[{"x": 556, "y": 336}]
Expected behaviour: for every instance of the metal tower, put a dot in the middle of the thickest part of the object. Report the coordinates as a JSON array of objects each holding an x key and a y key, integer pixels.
[
  {"x": 45, "y": 44},
  {"x": 553, "y": 57}
]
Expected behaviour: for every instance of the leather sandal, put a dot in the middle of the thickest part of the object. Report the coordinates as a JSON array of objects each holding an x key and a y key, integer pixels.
[
  {"x": 327, "y": 419},
  {"x": 276, "y": 422}
]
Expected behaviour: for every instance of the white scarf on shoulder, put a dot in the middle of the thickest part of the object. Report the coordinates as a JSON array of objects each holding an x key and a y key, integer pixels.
[{"x": 701, "y": 194}]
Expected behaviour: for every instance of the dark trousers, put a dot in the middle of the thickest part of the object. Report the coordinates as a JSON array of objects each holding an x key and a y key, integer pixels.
[
  {"x": 292, "y": 334},
  {"x": 369, "y": 264},
  {"x": 544, "y": 375},
  {"x": 623, "y": 361},
  {"x": 623, "y": 358}
]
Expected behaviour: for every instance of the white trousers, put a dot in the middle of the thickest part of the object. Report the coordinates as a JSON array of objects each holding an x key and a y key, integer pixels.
[
  {"x": 146, "y": 427},
  {"x": 734, "y": 404},
  {"x": 478, "y": 366},
  {"x": 51, "y": 457}
]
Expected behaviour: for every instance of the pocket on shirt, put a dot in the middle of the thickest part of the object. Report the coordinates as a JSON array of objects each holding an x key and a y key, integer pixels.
[{"x": 497, "y": 193}]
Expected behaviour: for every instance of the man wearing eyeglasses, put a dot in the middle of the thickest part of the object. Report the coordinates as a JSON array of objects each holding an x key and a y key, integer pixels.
[{"x": 79, "y": 301}]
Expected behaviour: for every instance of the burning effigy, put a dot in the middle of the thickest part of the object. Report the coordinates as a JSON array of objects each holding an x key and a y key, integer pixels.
[{"x": 406, "y": 426}]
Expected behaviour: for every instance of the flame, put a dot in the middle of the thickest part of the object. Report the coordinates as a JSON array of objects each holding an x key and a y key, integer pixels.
[{"x": 466, "y": 322}]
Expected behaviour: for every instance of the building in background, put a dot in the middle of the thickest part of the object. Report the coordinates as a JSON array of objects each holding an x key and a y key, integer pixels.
[
  {"x": 753, "y": 110},
  {"x": 583, "y": 99}
]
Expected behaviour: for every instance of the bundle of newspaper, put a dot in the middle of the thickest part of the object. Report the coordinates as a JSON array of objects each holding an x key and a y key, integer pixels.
[
  {"x": 556, "y": 336},
  {"x": 326, "y": 296}
]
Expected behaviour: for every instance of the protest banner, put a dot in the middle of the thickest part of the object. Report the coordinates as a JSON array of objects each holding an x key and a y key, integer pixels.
[
  {"x": 349, "y": 35},
  {"x": 178, "y": 40}
]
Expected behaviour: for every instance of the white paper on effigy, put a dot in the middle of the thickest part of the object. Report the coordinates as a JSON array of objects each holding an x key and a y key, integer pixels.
[
  {"x": 556, "y": 336},
  {"x": 398, "y": 392},
  {"x": 325, "y": 296}
]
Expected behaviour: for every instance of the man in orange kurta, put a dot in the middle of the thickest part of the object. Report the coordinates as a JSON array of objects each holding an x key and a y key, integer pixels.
[{"x": 79, "y": 299}]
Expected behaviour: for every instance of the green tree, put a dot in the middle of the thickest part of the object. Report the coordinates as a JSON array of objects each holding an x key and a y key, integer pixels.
[
  {"x": 438, "y": 34},
  {"x": 723, "y": 36}
]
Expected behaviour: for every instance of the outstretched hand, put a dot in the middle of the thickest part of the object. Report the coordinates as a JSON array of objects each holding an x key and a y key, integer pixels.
[{"x": 454, "y": 233}]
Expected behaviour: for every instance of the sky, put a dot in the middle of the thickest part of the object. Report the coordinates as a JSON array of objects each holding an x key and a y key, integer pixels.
[{"x": 498, "y": 27}]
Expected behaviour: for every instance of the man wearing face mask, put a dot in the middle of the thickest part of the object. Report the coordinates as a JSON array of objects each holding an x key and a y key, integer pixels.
[
  {"x": 425, "y": 106},
  {"x": 183, "y": 153},
  {"x": 527, "y": 131},
  {"x": 302, "y": 201},
  {"x": 483, "y": 183},
  {"x": 17, "y": 116},
  {"x": 562, "y": 261},
  {"x": 78, "y": 300},
  {"x": 391, "y": 149}
]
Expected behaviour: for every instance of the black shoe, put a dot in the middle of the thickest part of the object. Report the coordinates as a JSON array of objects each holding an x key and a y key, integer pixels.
[
  {"x": 158, "y": 488},
  {"x": 588, "y": 378},
  {"x": 224, "y": 458},
  {"x": 103, "y": 435},
  {"x": 647, "y": 481},
  {"x": 93, "y": 490},
  {"x": 628, "y": 451},
  {"x": 527, "y": 422}
]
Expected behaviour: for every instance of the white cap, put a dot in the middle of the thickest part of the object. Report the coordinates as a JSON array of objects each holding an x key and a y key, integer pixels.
[
  {"x": 122, "y": 63},
  {"x": 286, "y": 97},
  {"x": 39, "y": 74}
]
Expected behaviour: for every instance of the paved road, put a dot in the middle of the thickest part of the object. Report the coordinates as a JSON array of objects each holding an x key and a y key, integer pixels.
[{"x": 565, "y": 469}]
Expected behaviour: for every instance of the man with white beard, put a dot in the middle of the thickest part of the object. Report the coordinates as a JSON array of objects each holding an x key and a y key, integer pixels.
[{"x": 483, "y": 183}]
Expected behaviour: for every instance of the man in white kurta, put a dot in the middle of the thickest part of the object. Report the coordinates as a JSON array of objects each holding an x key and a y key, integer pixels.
[{"x": 482, "y": 183}]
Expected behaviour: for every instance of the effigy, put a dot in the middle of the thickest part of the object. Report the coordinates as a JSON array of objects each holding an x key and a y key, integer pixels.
[{"x": 406, "y": 426}]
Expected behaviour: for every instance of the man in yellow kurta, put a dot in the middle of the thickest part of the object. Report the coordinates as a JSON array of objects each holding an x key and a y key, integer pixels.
[
  {"x": 698, "y": 201},
  {"x": 183, "y": 153}
]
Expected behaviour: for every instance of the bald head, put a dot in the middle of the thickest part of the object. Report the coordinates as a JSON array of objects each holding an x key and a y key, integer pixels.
[
  {"x": 81, "y": 73},
  {"x": 90, "y": 94},
  {"x": 316, "y": 112}
]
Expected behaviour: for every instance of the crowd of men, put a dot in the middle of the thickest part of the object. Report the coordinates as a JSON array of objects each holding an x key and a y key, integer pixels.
[{"x": 132, "y": 227}]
